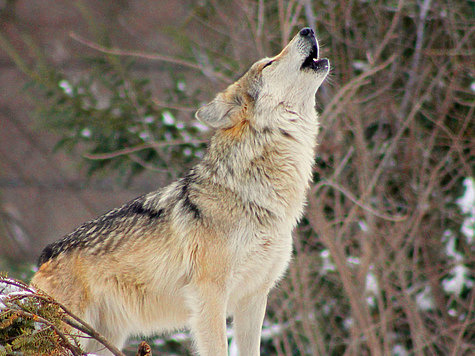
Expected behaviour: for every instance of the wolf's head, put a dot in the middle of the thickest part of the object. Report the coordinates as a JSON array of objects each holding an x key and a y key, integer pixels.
[{"x": 288, "y": 80}]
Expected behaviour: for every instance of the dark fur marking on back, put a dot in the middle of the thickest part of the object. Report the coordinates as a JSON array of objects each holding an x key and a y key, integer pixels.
[
  {"x": 47, "y": 253},
  {"x": 95, "y": 231},
  {"x": 137, "y": 207},
  {"x": 54, "y": 249},
  {"x": 185, "y": 195}
]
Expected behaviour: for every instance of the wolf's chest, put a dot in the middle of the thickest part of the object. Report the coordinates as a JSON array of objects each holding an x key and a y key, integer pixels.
[{"x": 260, "y": 263}]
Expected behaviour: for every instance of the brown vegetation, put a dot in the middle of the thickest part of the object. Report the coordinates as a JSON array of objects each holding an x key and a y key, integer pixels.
[{"x": 382, "y": 230}]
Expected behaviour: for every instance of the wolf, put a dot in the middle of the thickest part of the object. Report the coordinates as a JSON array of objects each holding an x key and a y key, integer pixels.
[{"x": 212, "y": 244}]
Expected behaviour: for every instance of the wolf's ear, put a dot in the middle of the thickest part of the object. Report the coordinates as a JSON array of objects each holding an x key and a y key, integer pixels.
[{"x": 217, "y": 114}]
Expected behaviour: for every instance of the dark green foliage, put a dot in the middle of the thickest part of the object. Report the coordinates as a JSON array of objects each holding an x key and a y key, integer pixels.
[
  {"x": 107, "y": 111},
  {"x": 31, "y": 323}
]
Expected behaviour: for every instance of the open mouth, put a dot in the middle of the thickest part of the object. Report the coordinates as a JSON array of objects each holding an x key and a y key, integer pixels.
[{"x": 313, "y": 62}]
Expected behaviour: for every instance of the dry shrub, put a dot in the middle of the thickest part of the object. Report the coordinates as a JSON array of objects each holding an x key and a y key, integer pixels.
[
  {"x": 376, "y": 251},
  {"x": 380, "y": 250}
]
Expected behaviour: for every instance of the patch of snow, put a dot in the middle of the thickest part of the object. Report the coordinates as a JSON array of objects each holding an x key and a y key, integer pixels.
[
  {"x": 149, "y": 119},
  {"x": 202, "y": 128},
  {"x": 144, "y": 135},
  {"x": 168, "y": 118},
  {"x": 399, "y": 350},
  {"x": 459, "y": 276},
  {"x": 424, "y": 299},
  {"x": 233, "y": 349},
  {"x": 181, "y": 85},
  {"x": 328, "y": 265},
  {"x": 86, "y": 132},
  {"x": 371, "y": 301},
  {"x": 468, "y": 228},
  {"x": 458, "y": 279},
  {"x": 450, "y": 248},
  {"x": 270, "y": 331},
  {"x": 361, "y": 65},
  {"x": 7, "y": 288},
  {"x": 159, "y": 342},
  {"x": 353, "y": 260},
  {"x": 363, "y": 226},
  {"x": 348, "y": 323},
  {"x": 467, "y": 200},
  {"x": 467, "y": 204},
  {"x": 8, "y": 291},
  {"x": 178, "y": 337},
  {"x": 371, "y": 284},
  {"x": 66, "y": 86}
]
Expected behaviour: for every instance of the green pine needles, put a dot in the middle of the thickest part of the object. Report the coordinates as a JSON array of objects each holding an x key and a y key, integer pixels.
[{"x": 33, "y": 323}]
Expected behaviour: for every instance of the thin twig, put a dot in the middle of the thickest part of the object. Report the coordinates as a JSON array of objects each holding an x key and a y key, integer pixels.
[
  {"x": 347, "y": 91},
  {"x": 389, "y": 33},
  {"x": 413, "y": 74},
  {"x": 130, "y": 150},
  {"x": 152, "y": 56},
  {"x": 357, "y": 201}
]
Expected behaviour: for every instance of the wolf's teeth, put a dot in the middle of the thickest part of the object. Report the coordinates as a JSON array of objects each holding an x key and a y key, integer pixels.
[{"x": 314, "y": 59}]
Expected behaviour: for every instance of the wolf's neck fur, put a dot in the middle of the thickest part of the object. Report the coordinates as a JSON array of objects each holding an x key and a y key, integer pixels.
[{"x": 268, "y": 166}]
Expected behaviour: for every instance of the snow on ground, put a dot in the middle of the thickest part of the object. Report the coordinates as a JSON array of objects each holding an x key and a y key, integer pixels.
[{"x": 467, "y": 204}]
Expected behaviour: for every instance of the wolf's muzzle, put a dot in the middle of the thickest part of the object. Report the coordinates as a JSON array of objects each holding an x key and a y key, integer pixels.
[
  {"x": 312, "y": 61},
  {"x": 308, "y": 34}
]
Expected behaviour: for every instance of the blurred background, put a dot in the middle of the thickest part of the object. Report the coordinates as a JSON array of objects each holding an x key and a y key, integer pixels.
[{"x": 96, "y": 107}]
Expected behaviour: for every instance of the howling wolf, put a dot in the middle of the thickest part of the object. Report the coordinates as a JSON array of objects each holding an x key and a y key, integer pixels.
[{"x": 212, "y": 244}]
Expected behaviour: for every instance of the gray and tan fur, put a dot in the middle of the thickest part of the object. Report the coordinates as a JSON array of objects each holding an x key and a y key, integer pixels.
[{"x": 213, "y": 243}]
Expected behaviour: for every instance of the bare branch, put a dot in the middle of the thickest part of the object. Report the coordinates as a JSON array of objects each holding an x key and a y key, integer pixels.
[
  {"x": 131, "y": 150},
  {"x": 152, "y": 56}
]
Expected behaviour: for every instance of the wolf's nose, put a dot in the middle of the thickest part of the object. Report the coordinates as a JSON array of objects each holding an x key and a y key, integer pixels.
[{"x": 307, "y": 31}]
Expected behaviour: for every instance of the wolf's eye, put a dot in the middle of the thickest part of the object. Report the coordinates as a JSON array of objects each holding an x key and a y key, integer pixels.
[{"x": 268, "y": 64}]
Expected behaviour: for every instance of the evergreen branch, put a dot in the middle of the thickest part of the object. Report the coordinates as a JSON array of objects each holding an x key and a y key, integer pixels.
[
  {"x": 130, "y": 150},
  {"x": 152, "y": 56},
  {"x": 75, "y": 321},
  {"x": 66, "y": 343}
]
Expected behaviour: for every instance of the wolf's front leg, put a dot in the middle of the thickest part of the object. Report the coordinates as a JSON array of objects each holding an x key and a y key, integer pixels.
[
  {"x": 208, "y": 320},
  {"x": 248, "y": 320}
]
